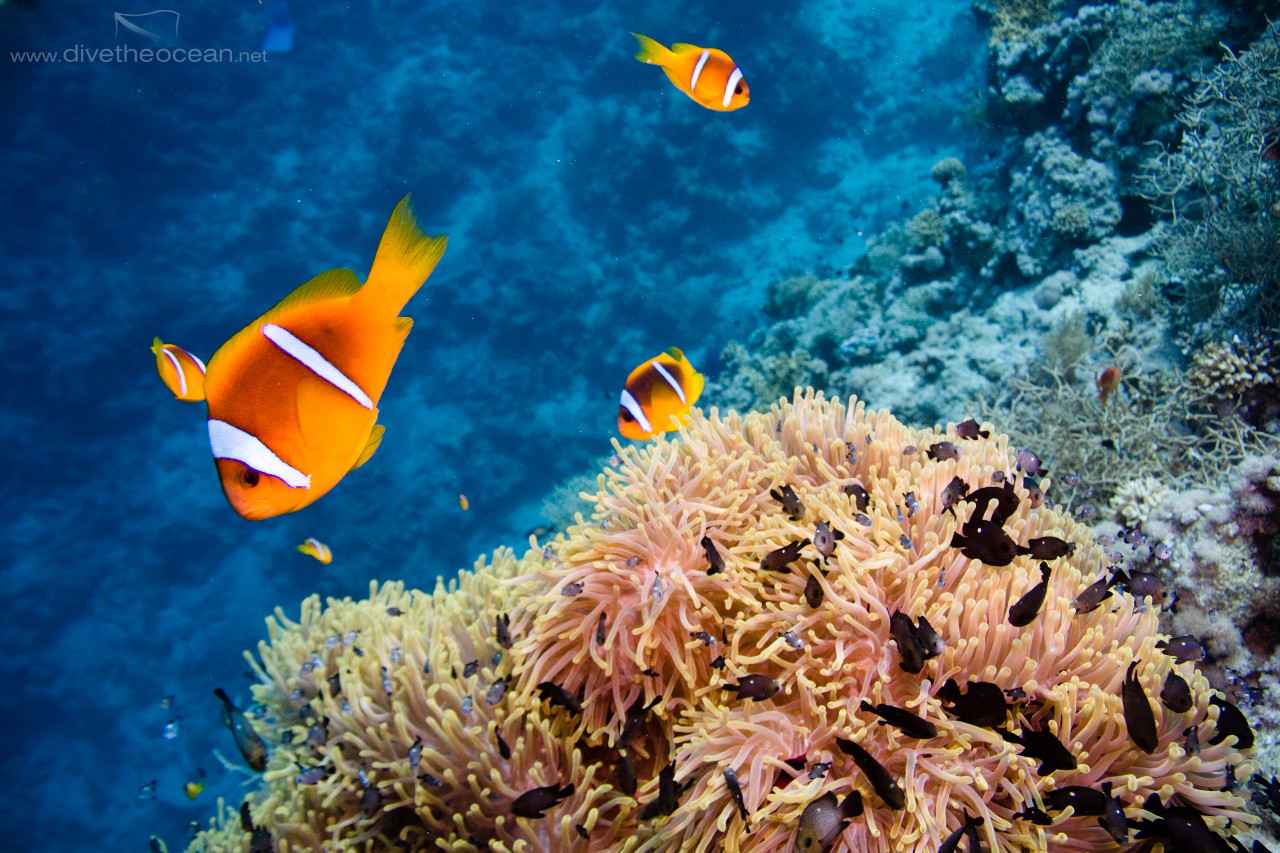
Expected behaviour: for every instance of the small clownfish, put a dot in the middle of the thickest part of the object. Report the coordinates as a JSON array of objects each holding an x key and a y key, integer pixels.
[
  {"x": 315, "y": 548},
  {"x": 463, "y": 502},
  {"x": 658, "y": 394},
  {"x": 293, "y": 397},
  {"x": 180, "y": 371},
  {"x": 707, "y": 75}
]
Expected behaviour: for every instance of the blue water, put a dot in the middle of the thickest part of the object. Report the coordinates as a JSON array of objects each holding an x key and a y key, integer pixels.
[{"x": 596, "y": 216}]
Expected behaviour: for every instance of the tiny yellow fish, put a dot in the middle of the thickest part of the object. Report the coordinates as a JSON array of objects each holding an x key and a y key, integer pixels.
[
  {"x": 315, "y": 548},
  {"x": 707, "y": 75},
  {"x": 463, "y": 502},
  {"x": 658, "y": 395},
  {"x": 180, "y": 371},
  {"x": 193, "y": 789}
]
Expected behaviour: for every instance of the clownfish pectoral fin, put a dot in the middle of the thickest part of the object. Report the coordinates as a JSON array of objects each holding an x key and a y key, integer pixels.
[
  {"x": 375, "y": 439},
  {"x": 180, "y": 371},
  {"x": 405, "y": 258}
]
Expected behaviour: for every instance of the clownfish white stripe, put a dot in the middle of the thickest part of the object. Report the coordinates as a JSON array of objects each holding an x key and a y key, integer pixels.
[
  {"x": 230, "y": 442},
  {"x": 730, "y": 86},
  {"x": 671, "y": 380},
  {"x": 629, "y": 403},
  {"x": 697, "y": 69},
  {"x": 322, "y": 550},
  {"x": 177, "y": 366},
  {"x": 315, "y": 362}
]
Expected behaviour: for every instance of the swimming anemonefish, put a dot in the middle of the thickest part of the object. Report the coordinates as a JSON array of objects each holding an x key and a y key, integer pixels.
[
  {"x": 658, "y": 393},
  {"x": 181, "y": 371},
  {"x": 315, "y": 548},
  {"x": 707, "y": 75},
  {"x": 293, "y": 397}
]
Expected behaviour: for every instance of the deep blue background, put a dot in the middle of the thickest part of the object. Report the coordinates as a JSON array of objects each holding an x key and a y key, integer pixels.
[{"x": 596, "y": 216}]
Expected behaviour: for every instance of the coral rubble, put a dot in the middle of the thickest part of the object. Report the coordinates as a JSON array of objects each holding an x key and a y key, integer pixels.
[{"x": 738, "y": 633}]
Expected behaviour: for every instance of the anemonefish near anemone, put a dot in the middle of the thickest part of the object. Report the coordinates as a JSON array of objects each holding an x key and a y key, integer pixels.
[
  {"x": 705, "y": 74},
  {"x": 313, "y": 547},
  {"x": 180, "y": 371},
  {"x": 658, "y": 395},
  {"x": 293, "y": 397}
]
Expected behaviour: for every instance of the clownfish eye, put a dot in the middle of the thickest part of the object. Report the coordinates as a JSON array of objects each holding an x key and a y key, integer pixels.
[
  {"x": 627, "y": 416},
  {"x": 738, "y": 90},
  {"x": 249, "y": 477}
]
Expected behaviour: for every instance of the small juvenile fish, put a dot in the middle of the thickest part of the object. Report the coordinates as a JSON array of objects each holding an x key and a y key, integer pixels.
[
  {"x": 315, "y": 548},
  {"x": 252, "y": 748},
  {"x": 986, "y": 542},
  {"x": 777, "y": 560},
  {"x": 982, "y": 704},
  {"x": 882, "y": 781},
  {"x": 790, "y": 502},
  {"x": 1024, "y": 611},
  {"x": 704, "y": 637},
  {"x": 312, "y": 775},
  {"x": 180, "y": 371},
  {"x": 910, "y": 724},
  {"x": 1042, "y": 746},
  {"x": 1028, "y": 461},
  {"x": 813, "y": 593},
  {"x": 790, "y": 638},
  {"x": 557, "y": 695},
  {"x": 859, "y": 494},
  {"x": 193, "y": 788},
  {"x": 1183, "y": 649},
  {"x": 534, "y": 803},
  {"x": 1176, "y": 693},
  {"x": 759, "y": 687},
  {"x": 1191, "y": 740},
  {"x": 715, "y": 561},
  {"x": 470, "y": 668},
  {"x": 502, "y": 630},
  {"x": 953, "y": 493},
  {"x": 903, "y": 632},
  {"x": 496, "y": 691},
  {"x": 602, "y": 632},
  {"x": 825, "y": 539},
  {"x": 943, "y": 450},
  {"x": 913, "y": 505},
  {"x": 1138, "y": 716},
  {"x": 571, "y": 589},
  {"x": 969, "y": 429},
  {"x": 668, "y": 795},
  {"x": 503, "y": 749},
  {"x": 463, "y": 503},
  {"x": 735, "y": 791},
  {"x": 1113, "y": 819},
  {"x": 932, "y": 644},
  {"x": 824, "y": 819},
  {"x": 1093, "y": 596},
  {"x": 1050, "y": 547},
  {"x": 1231, "y": 721},
  {"x": 952, "y": 841}
]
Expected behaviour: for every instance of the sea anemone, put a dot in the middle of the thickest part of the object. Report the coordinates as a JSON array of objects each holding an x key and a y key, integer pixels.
[{"x": 730, "y": 606}]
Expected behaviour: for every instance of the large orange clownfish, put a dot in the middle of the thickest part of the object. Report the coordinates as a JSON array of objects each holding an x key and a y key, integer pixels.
[
  {"x": 658, "y": 395},
  {"x": 707, "y": 75},
  {"x": 293, "y": 397}
]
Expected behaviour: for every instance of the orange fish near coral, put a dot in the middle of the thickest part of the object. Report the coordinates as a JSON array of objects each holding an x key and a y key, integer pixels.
[
  {"x": 315, "y": 548},
  {"x": 1108, "y": 382},
  {"x": 658, "y": 394},
  {"x": 180, "y": 371},
  {"x": 293, "y": 397},
  {"x": 707, "y": 75}
]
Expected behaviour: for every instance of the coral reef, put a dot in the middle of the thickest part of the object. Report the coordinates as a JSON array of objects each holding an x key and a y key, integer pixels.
[
  {"x": 708, "y": 619},
  {"x": 1221, "y": 191}
]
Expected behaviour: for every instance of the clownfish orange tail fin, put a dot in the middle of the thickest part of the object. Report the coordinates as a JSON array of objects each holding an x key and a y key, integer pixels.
[
  {"x": 651, "y": 51},
  {"x": 405, "y": 258}
]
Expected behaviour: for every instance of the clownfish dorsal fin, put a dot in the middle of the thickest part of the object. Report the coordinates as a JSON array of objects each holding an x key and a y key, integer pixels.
[
  {"x": 370, "y": 446},
  {"x": 405, "y": 258},
  {"x": 334, "y": 284},
  {"x": 681, "y": 47}
]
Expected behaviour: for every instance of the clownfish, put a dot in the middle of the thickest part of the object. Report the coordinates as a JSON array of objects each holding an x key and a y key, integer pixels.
[
  {"x": 180, "y": 371},
  {"x": 315, "y": 548},
  {"x": 293, "y": 397},
  {"x": 658, "y": 395},
  {"x": 705, "y": 74}
]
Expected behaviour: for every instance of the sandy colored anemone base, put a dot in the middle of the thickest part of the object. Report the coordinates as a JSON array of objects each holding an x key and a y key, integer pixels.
[{"x": 622, "y": 612}]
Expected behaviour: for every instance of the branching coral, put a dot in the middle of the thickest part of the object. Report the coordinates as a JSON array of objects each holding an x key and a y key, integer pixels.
[{"x": 670, "y": 640}]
